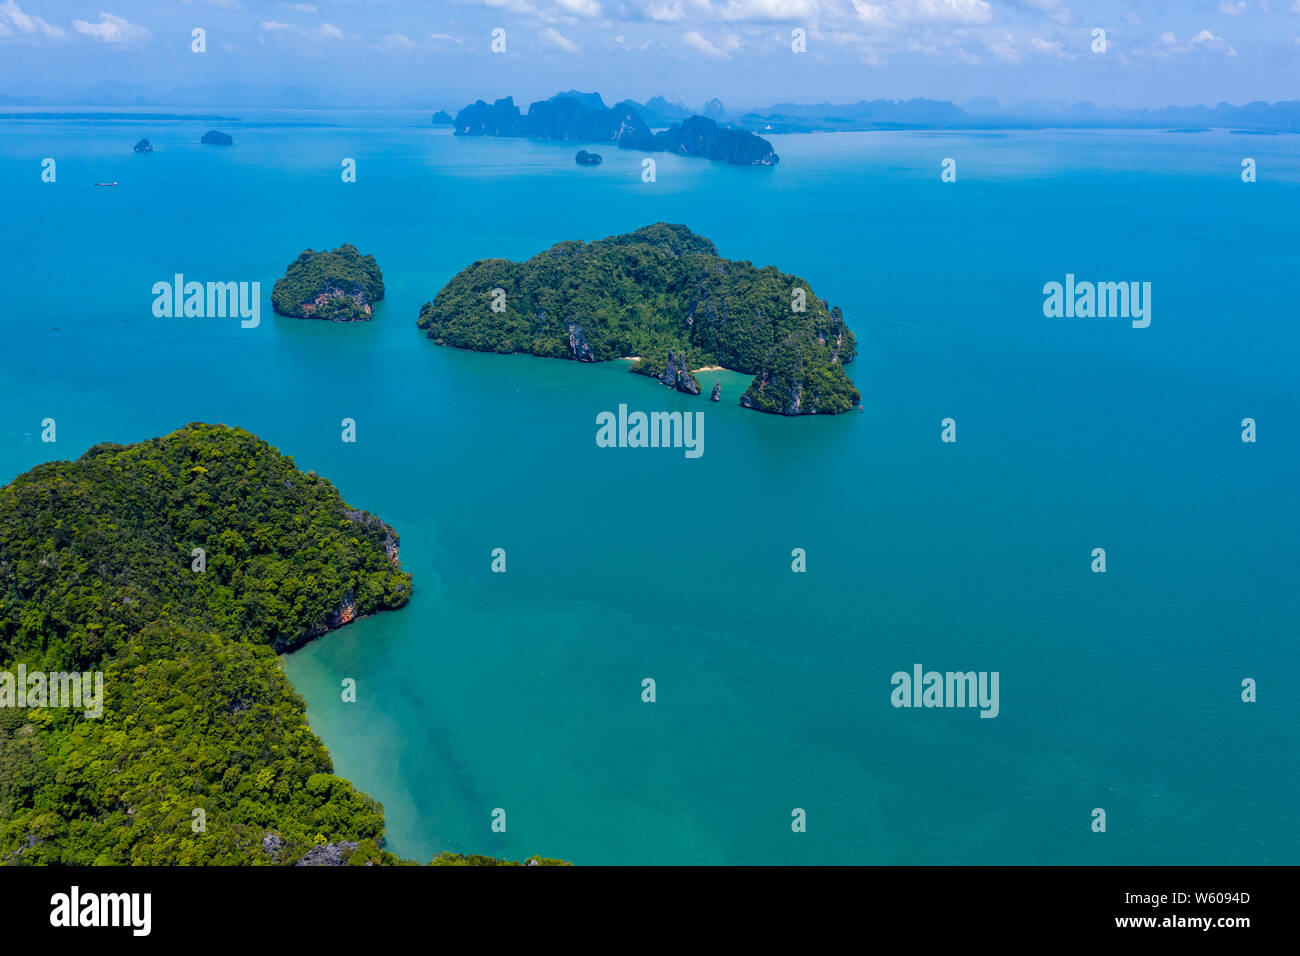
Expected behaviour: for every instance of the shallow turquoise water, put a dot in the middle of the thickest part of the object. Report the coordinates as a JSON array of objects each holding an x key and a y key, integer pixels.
[{"x": 522, "y": 690}]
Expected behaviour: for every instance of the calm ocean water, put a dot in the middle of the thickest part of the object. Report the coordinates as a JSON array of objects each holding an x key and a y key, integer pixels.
[{"x": 522, "y": 691}]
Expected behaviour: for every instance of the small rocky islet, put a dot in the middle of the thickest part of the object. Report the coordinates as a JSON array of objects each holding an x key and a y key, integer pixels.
[
  {"x": 664, "y": 296},
  {"x": 584, "y": 158},
  {"x": 214, "y": 137},
  {"x": 341, "y": 285}
]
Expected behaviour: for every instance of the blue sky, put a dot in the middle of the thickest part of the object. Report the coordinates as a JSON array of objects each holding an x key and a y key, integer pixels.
[{"x": 437, "y": 53}]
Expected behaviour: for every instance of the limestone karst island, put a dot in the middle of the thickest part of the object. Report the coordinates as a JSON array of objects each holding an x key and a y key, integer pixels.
[
  {"x": 663, "y": 296},
  {"x": 341, "y": 286},
  {"x": 584, "y": 117},
  {"x": 179, "y": 567}
]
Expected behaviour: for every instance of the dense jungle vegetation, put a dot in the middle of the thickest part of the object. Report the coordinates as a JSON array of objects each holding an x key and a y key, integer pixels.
[
  {"x": 98, "y": 572},
  {"x": 645, "y": 293}
]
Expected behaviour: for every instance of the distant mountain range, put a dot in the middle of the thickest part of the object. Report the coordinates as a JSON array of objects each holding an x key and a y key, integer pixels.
[
  {"x": 661, "y": 113},
  {"x": 983, "y": 113},
  {"x": 1283, "y": 116},
  {"x": 225, "y": 94}
]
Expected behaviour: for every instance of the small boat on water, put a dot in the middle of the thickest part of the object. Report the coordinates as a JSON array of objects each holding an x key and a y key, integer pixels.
[{"x": 113, "y": 183}]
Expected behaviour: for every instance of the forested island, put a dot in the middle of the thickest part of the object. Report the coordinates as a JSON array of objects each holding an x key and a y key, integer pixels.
[
  {"x": 665, "y": 296},
  {"x": 100, "y": 569},
  {"x": 584, "y": 117},
  {"x": 214, "y": 137},
  {"x": 341, "y": 286},
  {"x": 584, "y": 158}
]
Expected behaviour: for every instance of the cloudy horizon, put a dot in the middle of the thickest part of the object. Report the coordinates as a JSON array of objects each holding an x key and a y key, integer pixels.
[{"x": 406, "y": 53}]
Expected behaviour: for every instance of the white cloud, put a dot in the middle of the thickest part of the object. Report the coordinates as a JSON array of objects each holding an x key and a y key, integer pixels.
[
  {"x": 303, "y": 7},
  {"x": 396, "y": 41},
  {"x": 581, "y": 8},
  {"x": 768, "y": 10},
  {"x": 1208, "y": 41},
  {"x": 25, "y": 23},
  {"x": 734, "y": 11},
  {"x": 877, "y": 13},
  {"x": 719, "y": 51},
  {"x": 838, "y": 37},
  {"x": 671, "y": 12},
  {"x": 554, "y": 38},
  {"x": 1004, "y": 49},
  {"x": 1205, "y": 41},
  {"x": 275, "y": 25},
  {"x": 1232, "y": 9},
  {"x": 111, "y": 29},
  {"x": 895, "y": 12},
  {"x": 328, "y": 31},
  {"x": 1052, "y": 48}
]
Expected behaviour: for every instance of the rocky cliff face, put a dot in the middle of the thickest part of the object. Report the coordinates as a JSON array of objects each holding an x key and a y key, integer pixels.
[
  {"x": 784, "y": 398},
  {"x": 579, "y": 345},
  {"x": 346, "y": 611},
  {"x": 577, "y": 117},
  {"x": 338, "y": 305},
  {"x": 800, "y": 377},
  {"x": 272, "y": 844},
  {"x": 677, "y": 374},
  {"x": 479, "y": 119},
  {"x": 563, "y": 117},
  {"x": 329, "y": 854},
  {"x": 700, "y": 136}
]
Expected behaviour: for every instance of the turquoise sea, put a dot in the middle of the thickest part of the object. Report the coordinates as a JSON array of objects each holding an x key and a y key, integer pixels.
[{"x": 522, "y": 690}]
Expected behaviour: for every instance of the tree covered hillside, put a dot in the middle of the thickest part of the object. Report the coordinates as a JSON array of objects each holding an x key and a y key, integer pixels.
[
  {"x": 661, "y": 288},
  {"x": 93, "y": 550},
  {"x": 97, "y": 573},
  {"x": 341, "y": 286}
]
